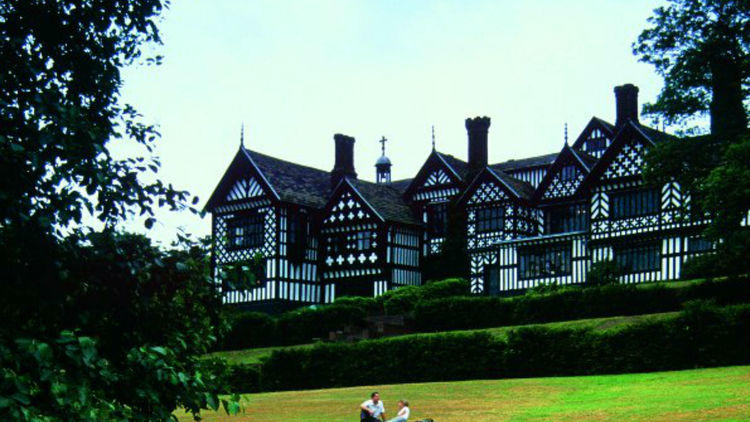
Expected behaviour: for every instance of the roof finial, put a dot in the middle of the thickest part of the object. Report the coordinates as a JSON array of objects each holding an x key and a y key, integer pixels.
[
  {"x": 242, "y": 135},
  {"x": 566, "y": 133},
  {"x": 382, "y": 145},
  {"x": 433, "y": 137}
]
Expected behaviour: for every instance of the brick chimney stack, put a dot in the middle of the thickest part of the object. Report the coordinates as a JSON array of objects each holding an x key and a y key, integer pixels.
[
  {"x": 344, "y": 166},
  {"x": 626, "y": 97},
  {"x": 477, "y": 129}
]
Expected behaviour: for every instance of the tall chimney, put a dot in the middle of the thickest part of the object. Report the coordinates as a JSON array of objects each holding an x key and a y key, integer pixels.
[
  {"x": 344, "y": 166},
  {"x": 477, "y": 129},
  {"x": 626, "y": 97}
]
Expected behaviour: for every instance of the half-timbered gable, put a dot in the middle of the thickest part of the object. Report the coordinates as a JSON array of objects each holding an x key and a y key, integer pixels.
[
  {"x": 438, "y": 182},
  {"x": 370, "y": 241},
  {"x": 497, "y": 208},
  {"x": 632, "y": 223},
  {"x": 557, "y": 252},
  {"x": 595, "y": 138},
  {"x": 529, "y": 221}
]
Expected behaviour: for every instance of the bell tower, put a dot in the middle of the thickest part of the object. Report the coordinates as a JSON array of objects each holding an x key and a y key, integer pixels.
[{"x": 383, "y": 165}]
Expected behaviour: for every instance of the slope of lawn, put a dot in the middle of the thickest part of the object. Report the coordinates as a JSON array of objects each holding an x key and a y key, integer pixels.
[
  {"x": 597, "y": 324},
  {"x": 703, "y": 394}
]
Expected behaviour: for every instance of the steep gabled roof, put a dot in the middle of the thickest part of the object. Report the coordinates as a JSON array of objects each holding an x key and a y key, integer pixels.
[
  {"x": 401, "y": 185},
  {"x": 523, "y": 190},
  {"x": 294, "y": 183},
  {"x": 568, "y": 154},
  {"x": 241, "y": 166},
  {"x": 460, "y": 167},
  {"x": 285, "y": 181},
  {"x": 630, "y": 128},
  {"x": 385, "y": 200},
  {"x": 516, "y": 188},
  {"x": 524, "y": 163},
  {"x": 586, "y": 159},
  {"x": 595, "y": 123}
]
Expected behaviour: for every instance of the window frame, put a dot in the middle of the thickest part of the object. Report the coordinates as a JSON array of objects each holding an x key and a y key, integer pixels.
[
  {"x": 538, "y": 254},
  {"x": 623, "y": 250},
  {"x": 568, "y": 172},
  {"x": 437, "y": 219},
  {"x": 490, "y": 219},
  {"x": 252, "y": 226},
  {"x": 577, "y": 218},
  {"x": 298, "y": 231},
  {"x": 631, "y": 206}
]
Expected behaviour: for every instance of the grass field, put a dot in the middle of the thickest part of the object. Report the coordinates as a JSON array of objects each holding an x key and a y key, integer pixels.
[
  {"x": 597, "y": 324},
  {"x": 695, "y": 395}
]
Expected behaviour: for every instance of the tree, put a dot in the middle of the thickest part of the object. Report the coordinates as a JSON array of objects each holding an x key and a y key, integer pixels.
[
  {"x": 701, "y": 49},
  {"x": 453, "y": 259},
  {"x": 60, "y": 108},
  {"x": 96, "y": 326}
]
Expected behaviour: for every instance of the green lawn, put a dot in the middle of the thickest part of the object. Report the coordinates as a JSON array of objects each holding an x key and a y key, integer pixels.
[
  {"x": 703, "y": 394},
  {"x": 597, "y": 324}
]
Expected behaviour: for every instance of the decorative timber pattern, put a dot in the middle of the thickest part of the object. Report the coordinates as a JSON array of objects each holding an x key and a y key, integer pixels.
[
  {"x": 529, "y": 221},
  {"x": 629, "y": 162},
  {"x": 564, "y": 183},
  {"x": 437, "y": 177}
]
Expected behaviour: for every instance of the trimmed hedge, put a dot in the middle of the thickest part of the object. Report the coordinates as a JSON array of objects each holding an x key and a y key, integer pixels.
[
  {"x": 255, "y": 329},
  {"x": 445, "y": 305},
  {"x": 571, "y": 303},
  {"x": 702, "y": 335}
]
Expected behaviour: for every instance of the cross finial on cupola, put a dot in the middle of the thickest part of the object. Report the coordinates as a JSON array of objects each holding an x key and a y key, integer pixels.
[
  {"x": 242, "y": 135},
  {"x": 383, "y": 165},
  {"x": 566, "y": 133}
]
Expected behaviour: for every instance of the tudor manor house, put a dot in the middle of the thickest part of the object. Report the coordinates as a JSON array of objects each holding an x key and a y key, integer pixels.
[{"x": 322, "y": 234}]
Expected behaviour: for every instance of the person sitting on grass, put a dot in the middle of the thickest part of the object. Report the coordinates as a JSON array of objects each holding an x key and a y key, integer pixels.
[
  {"x": 403, "y": 412},
  {"x": 372, "y": 410}
]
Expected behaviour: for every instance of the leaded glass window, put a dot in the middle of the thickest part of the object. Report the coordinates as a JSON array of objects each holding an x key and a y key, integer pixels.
[
  {"x": 490, "y": 219},
  {"x": 245, "y": 231},
  {"x": 634, "y": 203},
  {"x": 638, "y": 257},
  {"x": 544, "y": 261}
]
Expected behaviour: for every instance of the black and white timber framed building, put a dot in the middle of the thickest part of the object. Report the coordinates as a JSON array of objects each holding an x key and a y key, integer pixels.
[{"x": 530, "y": 221}]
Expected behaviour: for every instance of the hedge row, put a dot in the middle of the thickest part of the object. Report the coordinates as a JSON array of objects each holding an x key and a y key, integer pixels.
[
  {"x": 571, "y": 303},
  {"x": 254, "y": 329},
  {"x": 702, "y": 335}
]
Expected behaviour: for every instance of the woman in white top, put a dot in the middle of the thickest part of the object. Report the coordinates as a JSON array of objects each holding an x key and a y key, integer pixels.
[{"x": 403, "y": 412}]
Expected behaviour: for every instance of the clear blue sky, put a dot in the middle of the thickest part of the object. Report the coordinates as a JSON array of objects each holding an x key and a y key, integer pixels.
[{"x": 296, "y": 72}]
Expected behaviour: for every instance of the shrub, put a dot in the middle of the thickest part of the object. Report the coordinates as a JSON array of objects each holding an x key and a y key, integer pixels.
[
  {"x": 370, "y": 305},
  {"x": 603, "y": 273},
  {"x": 254, "y": 328},
  {"x": 302, "y": 325},
  {"x": 568, "y": 303},
  {"x": 702, "y": 335}
]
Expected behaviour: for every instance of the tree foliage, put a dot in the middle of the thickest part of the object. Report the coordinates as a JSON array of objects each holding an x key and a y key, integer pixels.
[
  {"x": 60, "y": 108},
  {"x": 117, "y": 339},
  {"x": 453, "y": 259},
  {"x": 96, "y": 326},
  {"x": 702, "y": 50}
]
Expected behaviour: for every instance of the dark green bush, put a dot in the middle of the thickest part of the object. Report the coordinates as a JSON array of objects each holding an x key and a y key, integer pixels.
[
  {"x": 254, "y": 328},
  {"x": 370, "y": 305},
  {"x": 303, "y": 325},
  {"x": 571, "y": 303},
  {"x": 603, "y": 273},
  {"x": 234, "y": 378},
  {"x": 702, "y": 335}
]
